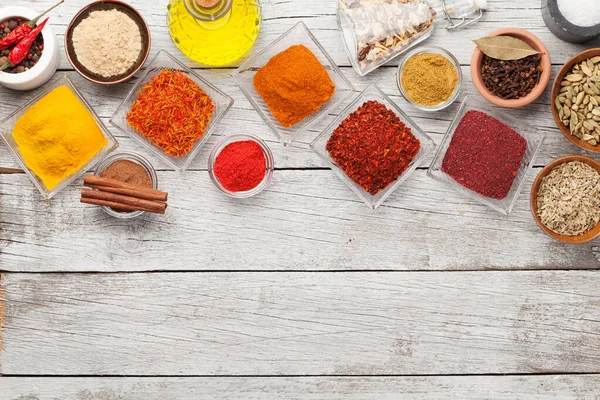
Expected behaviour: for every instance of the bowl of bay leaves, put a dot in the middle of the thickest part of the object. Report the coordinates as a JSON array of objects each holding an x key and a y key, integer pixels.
[{"x": 510, "y": 67}]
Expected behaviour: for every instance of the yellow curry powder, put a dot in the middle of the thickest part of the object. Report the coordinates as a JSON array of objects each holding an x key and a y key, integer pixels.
[
  {"x": 57, "y": 136},
  {"x": 294, "y": 85},
  {"x": 429, "y": 79}
]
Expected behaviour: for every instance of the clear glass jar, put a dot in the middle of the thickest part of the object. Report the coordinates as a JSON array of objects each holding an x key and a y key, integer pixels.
[
  {"x": 214, "y": 32},
  {"x": 376, "y": 31}
]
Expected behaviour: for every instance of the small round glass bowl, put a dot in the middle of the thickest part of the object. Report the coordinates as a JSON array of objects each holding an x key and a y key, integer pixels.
[
  {"x": 136, "y": 159},
  {"x": 431, "y": 50},
  {"x": 270, "y": 166}
]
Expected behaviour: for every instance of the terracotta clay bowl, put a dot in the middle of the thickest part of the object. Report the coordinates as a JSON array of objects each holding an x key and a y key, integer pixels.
[
  {"x": 531, "y": 40},
  {"x": 594, "y": 232},
  {"x": 584, "y": 55},
  {"x": 108, "y": 5}
]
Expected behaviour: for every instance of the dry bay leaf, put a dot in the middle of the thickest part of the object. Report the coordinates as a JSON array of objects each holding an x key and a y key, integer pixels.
[{"x": 504, "y": 47}]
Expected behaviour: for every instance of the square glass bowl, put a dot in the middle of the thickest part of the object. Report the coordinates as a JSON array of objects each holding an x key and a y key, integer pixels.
[
  {"x": 534, "y": 140},
  {"x": 161, "y": 61},
  {"x": 298, "y": 34},
  {"x": 7, "y": 126},
  {"x": 373, "y": 93}
]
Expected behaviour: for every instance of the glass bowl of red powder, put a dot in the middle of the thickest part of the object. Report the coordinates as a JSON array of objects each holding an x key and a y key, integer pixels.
[
  {"x": 486, "y": 154},
  {"x": 373, "y": 146},
  {"x": 241, "y": 165}
]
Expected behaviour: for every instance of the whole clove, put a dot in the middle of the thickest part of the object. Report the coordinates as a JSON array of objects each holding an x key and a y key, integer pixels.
[{"x": 512, "y": 79}]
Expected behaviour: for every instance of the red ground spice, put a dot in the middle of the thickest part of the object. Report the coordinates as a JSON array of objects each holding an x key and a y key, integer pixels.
[
  {"x": 373, "y": 146},
  {"x": 241, "y": 166},
  {"x": 484, "y": 155}
]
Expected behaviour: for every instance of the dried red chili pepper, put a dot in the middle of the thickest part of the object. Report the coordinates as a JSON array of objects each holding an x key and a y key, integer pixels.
[
  {"x": 19, "y": 52},
  {"x": 21, "y": 31},
  {"x": 373, "y": 147},
  {"x": 484, "y": 155}
]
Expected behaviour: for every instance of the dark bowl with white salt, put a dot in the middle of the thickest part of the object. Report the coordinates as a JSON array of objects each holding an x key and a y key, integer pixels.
[{"x": 570, "y": 21}]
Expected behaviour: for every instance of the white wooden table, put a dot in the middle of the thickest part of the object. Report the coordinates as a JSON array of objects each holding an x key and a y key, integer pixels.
[{"x": 303, "y": 291}]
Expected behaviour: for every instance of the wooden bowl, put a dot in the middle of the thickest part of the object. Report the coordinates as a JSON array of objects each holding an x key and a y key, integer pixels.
[
  {"x": 537, "y": 91},
  {"x": 108, "y": 5},
  {"x": 584, "y": 55},
  {"x": 590, "y": 235}
]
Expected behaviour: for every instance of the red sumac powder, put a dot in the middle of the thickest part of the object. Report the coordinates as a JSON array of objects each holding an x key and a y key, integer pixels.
[
  {"x": 241, "y": 166},
  {"x": 372, "y": 146},
  {"x": 484, "y": 155}
]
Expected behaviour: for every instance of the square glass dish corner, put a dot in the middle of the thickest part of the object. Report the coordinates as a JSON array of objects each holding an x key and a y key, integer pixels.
[
  {"x": 352, "y": 26},
  {"x": 372, "y": 92},
  {"x": 298, "y": 34},
  {"x": 533, "y": 137},
  {"x": 8, "y": 124},
  {"x": 163, "y": 60}
]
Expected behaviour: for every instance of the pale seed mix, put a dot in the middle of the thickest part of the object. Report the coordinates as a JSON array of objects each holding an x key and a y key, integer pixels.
[
  {"x": 107, "y": 42},
  {"x": 568, "y": 199},
  {"x": 578, "y": 103}
]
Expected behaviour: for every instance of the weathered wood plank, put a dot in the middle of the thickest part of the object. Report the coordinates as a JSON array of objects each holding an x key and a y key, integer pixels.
[
  {"x": 320, "y": 18},
  {"x": 565, "y": 387},
  {"x": 302, "y": 323},
  {"x": 106, "y": 100},
  {"x": 242, "y": 118},
  {"x": 1, "y": 313},
  {"x": 308, "y": 220}
]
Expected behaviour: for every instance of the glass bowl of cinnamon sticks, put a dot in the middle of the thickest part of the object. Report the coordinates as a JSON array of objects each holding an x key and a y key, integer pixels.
[{"x": 125, "y": 185}]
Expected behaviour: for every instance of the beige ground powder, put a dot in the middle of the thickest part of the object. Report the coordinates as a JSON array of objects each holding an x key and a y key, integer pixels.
[{"x": 107, "y": 42}]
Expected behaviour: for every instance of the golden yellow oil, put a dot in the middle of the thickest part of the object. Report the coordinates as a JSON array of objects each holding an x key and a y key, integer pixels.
[{"x": 217, "y": 42}]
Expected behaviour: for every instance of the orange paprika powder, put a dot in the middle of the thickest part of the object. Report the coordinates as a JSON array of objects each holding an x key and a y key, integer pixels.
[{"x": 294, "y": 85}]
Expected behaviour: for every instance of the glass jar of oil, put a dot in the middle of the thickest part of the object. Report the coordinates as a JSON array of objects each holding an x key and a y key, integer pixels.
[{"x": 214, "y": 32}]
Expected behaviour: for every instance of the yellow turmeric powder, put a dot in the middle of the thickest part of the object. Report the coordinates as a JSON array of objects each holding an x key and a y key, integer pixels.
[
  {"x": 294, "y": 85},
  {"x": 57, "y": 136}
]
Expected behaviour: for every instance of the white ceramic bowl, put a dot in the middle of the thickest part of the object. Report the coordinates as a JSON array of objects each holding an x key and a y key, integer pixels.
[{"x": 45, "y": 67}]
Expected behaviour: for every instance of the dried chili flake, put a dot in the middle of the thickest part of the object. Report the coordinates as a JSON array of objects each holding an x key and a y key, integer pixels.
[
  {"x": 172, "y": 111},
  {"x": 484, "y": 155},
  {"x": 373, "y": 147}
]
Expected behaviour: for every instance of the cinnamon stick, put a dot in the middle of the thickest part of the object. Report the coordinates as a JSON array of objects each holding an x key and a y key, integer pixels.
[
  {"x": 94, "y": 180},
  {"x": 11, "y": 171},
  {"x": 113, "y": 205},
  {"x": 146, "y": 205},
  {"x": 140, "y": 194}
]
